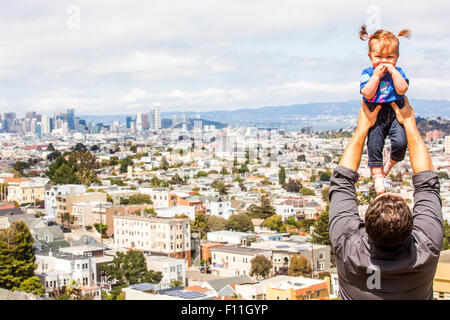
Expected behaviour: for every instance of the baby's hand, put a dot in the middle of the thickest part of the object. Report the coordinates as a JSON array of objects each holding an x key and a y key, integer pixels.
[
  {"x": 380, "y": 70},
  {"x": 390, "y": 68}
]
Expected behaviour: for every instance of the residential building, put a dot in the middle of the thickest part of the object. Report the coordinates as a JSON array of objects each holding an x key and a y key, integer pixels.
[
  {"x": 233, "y": 260},
  {"x": 230, "y": 237},
  {"x": 155, "y": 235},
  {"x": 172, "y": 269},
  {"x": 282, "y": 252},
  {"x": 51, "y": 206},
  {"x": 171, "y": 212},
  {"x": 298, "y": 289},
  {"x": 441, "y": 283},
  {"x": 110, "y": 212},
  {"x": 88, "y": 213},
  {"x": 57, "y": 270},
  {"x": 26, "y": 192},
  {"x": 150, "y": 291},
  {"x": 66, "y": 201},
  {"x": 159, "y": 196}
]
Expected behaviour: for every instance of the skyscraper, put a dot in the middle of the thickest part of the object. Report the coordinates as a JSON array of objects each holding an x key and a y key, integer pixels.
[
  {"x": 152, "y": 120},
  {"x": 70, "y": 116},
  {"x": 128, "y": 122},
  {"x": 139, "y": 121},
  {"x": 157, "y": 117}
]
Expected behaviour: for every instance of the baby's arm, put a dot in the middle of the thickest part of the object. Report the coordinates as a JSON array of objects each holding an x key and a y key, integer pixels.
[
  {"x": 371, "y": 87},
  {"x": 400, "y": 84}
]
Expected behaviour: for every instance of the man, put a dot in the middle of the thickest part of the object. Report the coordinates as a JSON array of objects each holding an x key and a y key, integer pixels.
[{"x": 393, "y": 254}]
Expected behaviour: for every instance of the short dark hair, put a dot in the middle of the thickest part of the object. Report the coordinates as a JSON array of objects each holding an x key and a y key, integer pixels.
[{"x": 388, "y": 220}]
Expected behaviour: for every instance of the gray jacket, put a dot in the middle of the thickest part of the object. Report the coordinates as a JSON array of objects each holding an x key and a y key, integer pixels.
[{"x": 366, "y": 271}]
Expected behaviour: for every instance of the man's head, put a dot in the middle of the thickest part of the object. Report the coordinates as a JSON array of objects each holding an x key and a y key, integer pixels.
[{"x": 388, "y": 220}]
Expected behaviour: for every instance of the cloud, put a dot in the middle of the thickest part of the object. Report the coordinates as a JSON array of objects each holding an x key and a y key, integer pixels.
[{"x": 205, "y": 54}]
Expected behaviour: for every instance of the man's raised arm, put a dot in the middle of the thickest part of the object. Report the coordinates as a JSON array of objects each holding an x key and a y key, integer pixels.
[
  {"x": 343, "y": 214},
  {"x": 427, "y": 212}
]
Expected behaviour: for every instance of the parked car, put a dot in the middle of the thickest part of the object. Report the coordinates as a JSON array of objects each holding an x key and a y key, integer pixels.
[
  {"x": 65, "y": 230},
  {"x": 208, "y": 269}
]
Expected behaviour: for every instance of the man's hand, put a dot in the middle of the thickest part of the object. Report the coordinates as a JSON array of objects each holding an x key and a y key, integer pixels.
[
  {"x": 405, "y": 115},
  {"x": 367, "y": 119}
]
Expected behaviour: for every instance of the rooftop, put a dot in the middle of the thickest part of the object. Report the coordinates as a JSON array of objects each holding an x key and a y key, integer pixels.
[{"x": 240, "y": 250}]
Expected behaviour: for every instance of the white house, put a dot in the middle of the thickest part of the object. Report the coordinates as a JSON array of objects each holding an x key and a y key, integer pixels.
[
  {"x": 57, "y": 270},
  {"x": 221, "y": 209},
  {"x": 230, "y": 237},
  {"x": 171, "y": 212},
  {"x": 159, "y": 196},
  {"x": 51, "y": 206},
  {"x": 172, "y": 269}
]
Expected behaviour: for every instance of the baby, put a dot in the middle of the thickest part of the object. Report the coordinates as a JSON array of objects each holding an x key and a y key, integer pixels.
[{"x": 382, "y": 84}]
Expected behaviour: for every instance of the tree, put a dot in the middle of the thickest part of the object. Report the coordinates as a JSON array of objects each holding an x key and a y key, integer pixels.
[
  {"x": 301, "y": 158},
  {"x": 79, "y": 147},
  {"x": 17, "y": 260},
  {"x": 19, "y": 166},
  {"x": 306, "y": 224},
  {"x": 299, "y": 266},
  {"x": 262, "y": 211},
  {"x": 313, "y": 178},
  {"x": 274, "y": 223},
  {"x": 220, "y": 187},
  {"x": 124, "y": 163},
  {"x": 85, "y": 165},
  {"x": 307, "y": 192},
  {"x": 73, "y": 290},
  {"x": 446, "y": 239},
  {"x": 101, "y": 228},
  {"x": 50, "y": 147},
  {"x": 65, "y": 175},
  {"x": 215, "y": 223},
  {"x": 164, "y": 165},
  {"x": 442, "y": 175},
  {"x": 325, "y": 175},
  {"x": 260, "y": 267},
  {"x": 32, "y": 285},
  {"x": 201, "y": 174},
  {"x": 129, "y": 268},
  {"x": 200, "y": 223},
  {"x": 140, "y": 198},
  {"x": 320, "y": 233},
  {"x": 239, "y": 222},
  {"x": 53, "y": 155},
  {"x": 281, "y": 175},
  {"x": 325, "y": 194},
  {"x": 293, "y": 185}
]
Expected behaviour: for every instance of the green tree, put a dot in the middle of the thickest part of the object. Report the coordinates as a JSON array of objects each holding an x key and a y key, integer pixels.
[
  {"x": 313, "y": 178},
  {"x": 306, "y": 224},
  {"x": 262, "y": 211},
  {"x": 446, "y": 239},
  {"x": 129, "y": 268},
  {"x": 79, "y": 147},
  {"x": 281, "y": 175},
  {"x": 325, "y": 194},
  {"x": 32, "y": 285},
  {"x": 201, "y": 174},
  {"x": 239, "y": 222},
  {"x": 164, "y": 165},
  {"x": 307, "y": 192},
  {"x": 260, "y": 267},
  {"x": 65, "y": 175},
  {"x": 293, "y": 185},
  {"x": 442, "y": 175},
  {"x": 140, "y": 198},
  {"x": 19, "y": 166},
  {"x": 101, "y": 228},
  {"x": 299, "y": 266},
  {"x": 17, "y": 260},
  {"x": 320, "y": 233},
  {"x": 85, "y": 165},
  {"x": 53, "y": 155},
  {"x": 325, "y": 175},
  {"x": 124, "y": 163},
  {"x": 274, "y": 223},
  {"x": 220, "y": 187}
]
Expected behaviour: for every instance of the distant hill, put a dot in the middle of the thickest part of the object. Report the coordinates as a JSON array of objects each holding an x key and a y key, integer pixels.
[{"x": 422, "y": 108}]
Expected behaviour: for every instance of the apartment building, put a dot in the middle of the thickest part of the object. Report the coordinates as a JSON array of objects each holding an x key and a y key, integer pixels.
[
  {"x": 110, "y": 212},
  {"x": 170, "y": 237},
  {"x": 171, "y": 212},
  {"x": 230, "y": 237},
  {"x": 229, "y": 261},
  {"x": 87, "y": 213},
  {"x": 51, "y": 192},
  {"x": 65, "y": 202},
  {"x": 159, "y": 196},
  {"x": 26, "y": 192}
]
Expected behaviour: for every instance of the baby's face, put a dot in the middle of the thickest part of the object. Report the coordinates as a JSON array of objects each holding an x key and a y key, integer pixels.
[{"x": 379, "y": 55}]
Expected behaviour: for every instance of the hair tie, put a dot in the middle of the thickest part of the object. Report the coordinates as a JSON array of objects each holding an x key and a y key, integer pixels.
[{"x": 369, "y": 35}]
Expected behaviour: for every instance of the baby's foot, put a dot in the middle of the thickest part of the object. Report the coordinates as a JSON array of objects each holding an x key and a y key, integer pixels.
[
  {"x": 379, "y": 183},
  {"x": 388, "y": 166}
]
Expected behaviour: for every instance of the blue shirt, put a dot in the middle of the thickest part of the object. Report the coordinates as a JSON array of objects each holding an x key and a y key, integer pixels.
[{"x": 386, "y": 91}]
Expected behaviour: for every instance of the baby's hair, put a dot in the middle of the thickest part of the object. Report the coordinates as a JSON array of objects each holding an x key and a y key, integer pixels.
[{"x": 383, "y": 35}]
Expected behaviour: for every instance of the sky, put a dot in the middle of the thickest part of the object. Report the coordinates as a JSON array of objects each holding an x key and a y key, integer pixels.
[{"x": 123, "y": 57}]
